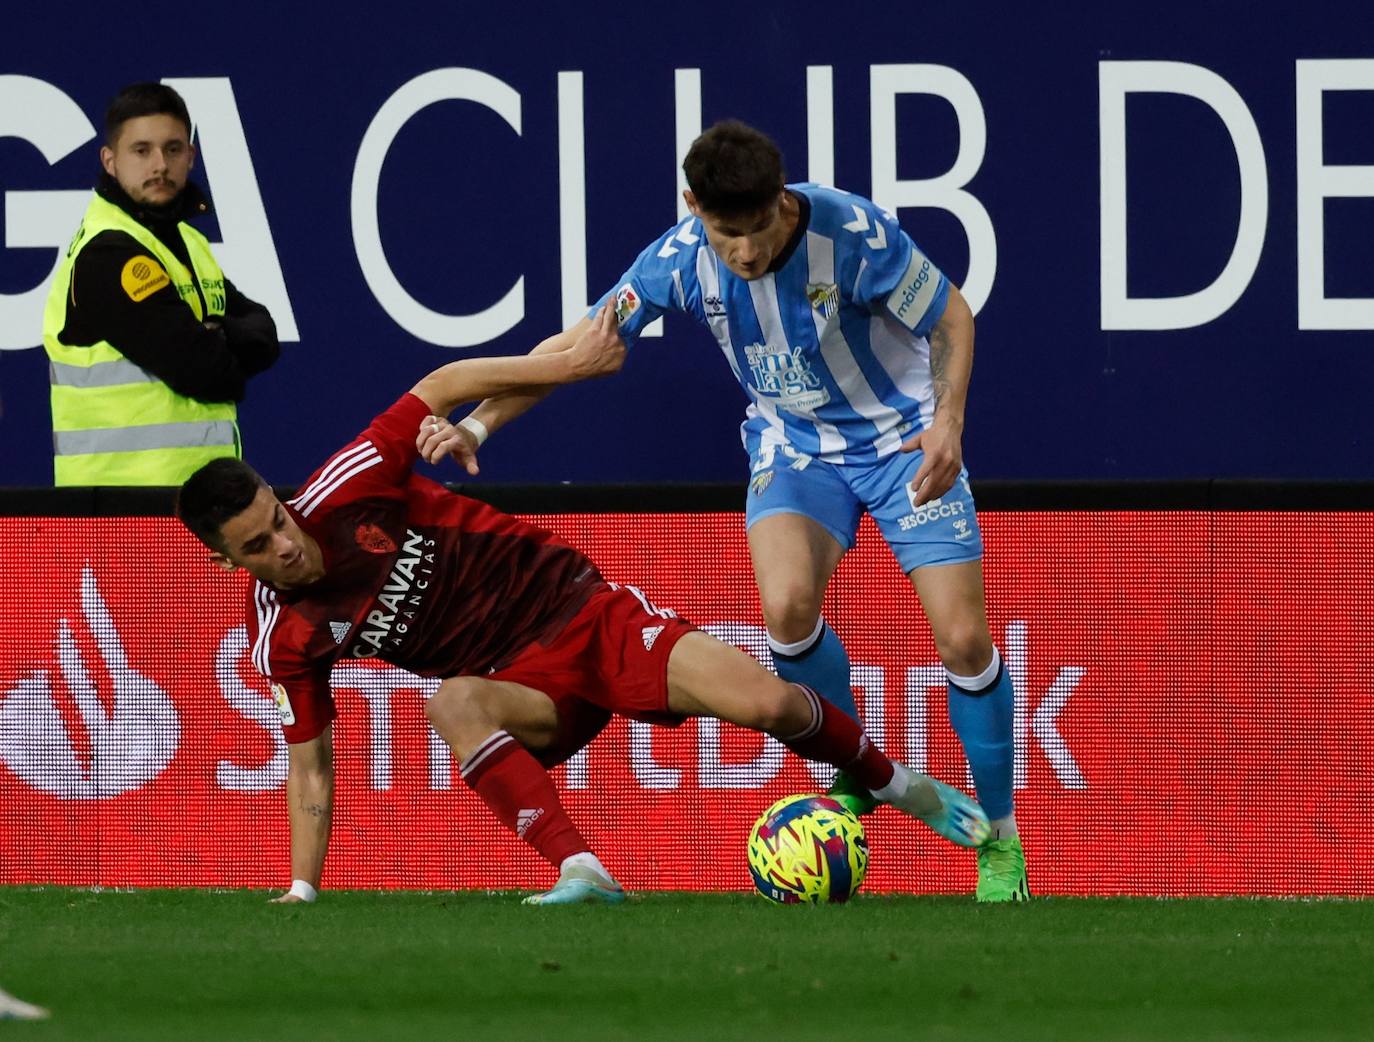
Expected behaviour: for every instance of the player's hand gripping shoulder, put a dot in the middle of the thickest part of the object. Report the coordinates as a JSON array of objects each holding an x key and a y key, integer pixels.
[{"x": 598, "y": 349}]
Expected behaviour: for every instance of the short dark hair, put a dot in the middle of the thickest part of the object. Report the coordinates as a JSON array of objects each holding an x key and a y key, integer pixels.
[
  {"x": 733, "y": 169},
  {"x": 144, "y": 99},
  {"x": 218, "y": 492}
]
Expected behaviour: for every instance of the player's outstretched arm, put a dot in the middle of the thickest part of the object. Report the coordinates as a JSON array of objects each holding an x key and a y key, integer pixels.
[
  {"x": 951, "y": 365},
  {"x": 498, "y": 410},
  {"x": 596, "y": 351},
  {"x": 310, "y": 805},
  {"x": 589, "y": 349}
]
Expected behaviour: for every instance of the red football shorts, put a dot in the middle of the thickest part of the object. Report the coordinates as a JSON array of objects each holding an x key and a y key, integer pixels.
[{"x": 612, "y": 657}]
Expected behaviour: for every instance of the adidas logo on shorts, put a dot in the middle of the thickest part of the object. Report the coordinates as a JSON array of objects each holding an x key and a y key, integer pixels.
[{"x": 650, "y": 634}]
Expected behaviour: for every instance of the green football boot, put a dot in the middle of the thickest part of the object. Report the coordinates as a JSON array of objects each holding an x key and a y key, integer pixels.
[
  {"x": 852, "y": 796},
  {"x": 580, "y": 886},
  {"x": 1002, "y": 871}
]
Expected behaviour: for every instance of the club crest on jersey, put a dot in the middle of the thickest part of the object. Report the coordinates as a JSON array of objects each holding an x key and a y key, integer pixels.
[
  {"x": 761, "y": 482},
  {"x": 372, "y": 539},
  {"x": 824, "y": 297},
  {"x": 626, "y": 303}
]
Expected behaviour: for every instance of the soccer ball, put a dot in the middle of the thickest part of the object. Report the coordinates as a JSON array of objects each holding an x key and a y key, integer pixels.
[{"x": 807, "y": 849}]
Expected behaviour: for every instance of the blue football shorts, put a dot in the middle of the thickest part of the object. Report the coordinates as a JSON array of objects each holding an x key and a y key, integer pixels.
[{"x": 835, "y": 496}]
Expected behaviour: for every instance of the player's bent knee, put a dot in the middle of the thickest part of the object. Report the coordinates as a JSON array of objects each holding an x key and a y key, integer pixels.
[
  {"x": 458, "y": 701},
  {"x": 966, "y": 650},
  {"x": 777, "y": 709},
  {"x": 791, "y": 613}
]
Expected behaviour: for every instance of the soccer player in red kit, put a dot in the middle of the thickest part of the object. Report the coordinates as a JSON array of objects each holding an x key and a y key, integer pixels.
[{"x": 536, "y": 649}]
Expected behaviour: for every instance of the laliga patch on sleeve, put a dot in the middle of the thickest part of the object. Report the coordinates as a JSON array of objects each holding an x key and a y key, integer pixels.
[
  {"x": 626, "y": 303},
  {"x": 142, "y": 276},
  {"x": 279, "y": 695},
  {"x": 915, "y": 291}
]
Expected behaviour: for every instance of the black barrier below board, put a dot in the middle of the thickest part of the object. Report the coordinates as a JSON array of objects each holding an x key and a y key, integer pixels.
[{"x": 1226, "y": 495}]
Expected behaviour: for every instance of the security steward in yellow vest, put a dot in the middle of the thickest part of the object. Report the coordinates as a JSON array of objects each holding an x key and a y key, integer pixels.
[{"x": 149, "y": 345}]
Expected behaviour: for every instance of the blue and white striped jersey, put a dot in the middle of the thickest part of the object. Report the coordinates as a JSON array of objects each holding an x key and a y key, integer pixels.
[{"x": 831, "y": 348}]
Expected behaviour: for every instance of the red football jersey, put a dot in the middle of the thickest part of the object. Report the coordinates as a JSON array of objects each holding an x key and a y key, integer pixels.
[{"x": 419, "y": 576}]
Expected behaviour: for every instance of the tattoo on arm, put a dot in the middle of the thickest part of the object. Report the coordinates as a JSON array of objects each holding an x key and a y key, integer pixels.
[
  {"x": 940, "y": 348},
  {"x": 316, "y": 810}
]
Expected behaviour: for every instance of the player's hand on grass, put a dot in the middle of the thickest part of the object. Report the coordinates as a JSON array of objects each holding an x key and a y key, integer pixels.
[
  {"x": 942, "y": 445},
  {"x": 599, "y": 351},
  {"x": 439, "y": 438}
]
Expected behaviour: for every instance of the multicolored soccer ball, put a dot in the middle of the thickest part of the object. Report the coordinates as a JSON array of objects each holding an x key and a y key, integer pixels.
[{"x": 807, "y": 850}]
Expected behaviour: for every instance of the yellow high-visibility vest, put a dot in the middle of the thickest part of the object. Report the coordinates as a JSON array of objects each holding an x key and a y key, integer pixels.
[{"x": 113, "y": 422}]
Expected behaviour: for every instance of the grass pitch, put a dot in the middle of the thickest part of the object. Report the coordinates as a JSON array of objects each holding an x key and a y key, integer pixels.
[{"x": 187, "y": 964}]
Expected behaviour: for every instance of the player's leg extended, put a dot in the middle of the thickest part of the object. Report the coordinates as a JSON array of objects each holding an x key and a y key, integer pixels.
[
  {"x": 981, "y": 706},
  {"x": 495, "y": 728},
  {"x": 709, "y": 678}
]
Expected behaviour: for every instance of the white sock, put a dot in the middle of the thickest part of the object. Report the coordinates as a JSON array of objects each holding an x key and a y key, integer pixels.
[
  {"x": 586, "y": 860},
  {"x": 1004, "y": 828},
  {"x": 979, "y": 681},
  {"x": 896, "y": 788}
]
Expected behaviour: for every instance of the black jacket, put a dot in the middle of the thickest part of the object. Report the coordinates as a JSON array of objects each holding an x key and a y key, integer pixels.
[{"x": 160, "y": 333}]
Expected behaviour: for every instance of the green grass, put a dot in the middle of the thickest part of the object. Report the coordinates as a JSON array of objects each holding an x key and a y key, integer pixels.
[{"x": 199, "y": 965}]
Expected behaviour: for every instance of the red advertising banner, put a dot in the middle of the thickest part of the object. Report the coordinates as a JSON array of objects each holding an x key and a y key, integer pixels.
[{"x": 1195, "y": 715}]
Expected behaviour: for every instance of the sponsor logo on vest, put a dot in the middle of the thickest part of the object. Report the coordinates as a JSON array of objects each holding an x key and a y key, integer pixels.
[
  {"x": 372, "y": 539},
  {"x": 399, "y": 600},
  {"x": 142, "y": 276}
]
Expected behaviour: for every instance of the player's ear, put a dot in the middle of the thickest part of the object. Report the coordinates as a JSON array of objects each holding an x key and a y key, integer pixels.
[
  {"x": 691, "y": 202},
  {"x": 222, "y": 561},
  {"x": 107, "y": 159}
]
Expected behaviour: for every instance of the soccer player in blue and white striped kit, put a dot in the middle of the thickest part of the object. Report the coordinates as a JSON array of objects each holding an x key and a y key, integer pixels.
[{"x": 855, "y": 352}]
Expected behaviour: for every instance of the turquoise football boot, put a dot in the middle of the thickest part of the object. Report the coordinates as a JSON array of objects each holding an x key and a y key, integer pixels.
[
  {"x": 580, "y": 886},
  {"x": 954, "y": 815}
]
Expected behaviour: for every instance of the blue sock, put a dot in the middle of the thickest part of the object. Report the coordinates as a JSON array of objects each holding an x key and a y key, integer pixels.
[
  {"x": 982, "y": 719},
  {"x": 820, "y": 663}
]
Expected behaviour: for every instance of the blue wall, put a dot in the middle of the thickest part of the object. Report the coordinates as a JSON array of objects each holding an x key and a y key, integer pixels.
[{"x": 466, "y": 206}]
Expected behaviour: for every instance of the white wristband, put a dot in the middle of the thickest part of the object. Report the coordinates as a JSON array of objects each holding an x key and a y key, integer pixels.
[
  {"x": 300, "y": 888},
  {"x": 476, "y": 428}
]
